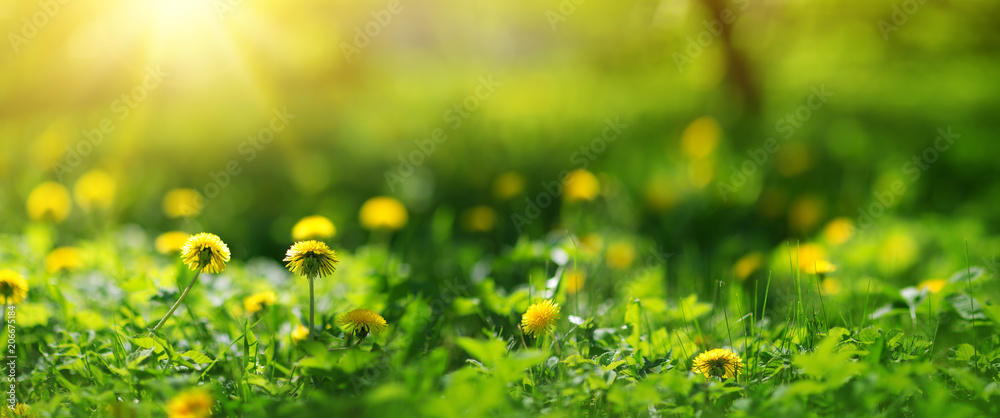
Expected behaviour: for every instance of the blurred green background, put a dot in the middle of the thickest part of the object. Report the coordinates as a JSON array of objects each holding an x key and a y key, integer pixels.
[{"x": 898, "y": 72}]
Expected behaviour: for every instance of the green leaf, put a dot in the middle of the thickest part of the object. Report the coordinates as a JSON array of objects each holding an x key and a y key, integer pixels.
[{"x": 196, "y": 356}]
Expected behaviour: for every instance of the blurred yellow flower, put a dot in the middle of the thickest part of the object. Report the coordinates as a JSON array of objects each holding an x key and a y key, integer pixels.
[
  {"x": 191, "y": 403},
  {"x": 719, "y": 362},
  {"x": 299, "y": 333},
  {"x": 838, "y": 231},
  {"x": 95, "y": 190},
  {"x": 831, "y": 286},
  {"x": 21, "y": 410},
  {"x": 540, "y": 318},
  {"x": 311, "y": 259},
  {"x": 821, "y": 267},
  {"x": 747, "y": 265},
  {"x": 898, "y": 252},
  {"x": 933, "y": 285},
  {"x": 660, "y": 193},
  {"x": 362, "y": 322},
  {"x": 479, "y": 219},
  {"x": 620, "y": 255},
  {"x": 313, "y": 227},
  {"x": 383, "y": 213},
  {"x": 805, "y": 213},
  {"x": 580, "y": 185},
  {"x": 171, "y": 242},
  {"x": 49, "y": 202},
  {"x": 700, "y": 137},
  {"x": 591, "y": 244},
  {"x": 701, "y": 172},
  {"x": 508, "y": 185},
  {"x": 205, "y": 252},
  {"x": 574, "y": 281},
  {"x": 259, "y": 301},
  {"x": 13, "y": 287},
  {"x": 63, "y": 259},
  {"x": 182, "y": 203},
  {"x": 807, "y": 255}
]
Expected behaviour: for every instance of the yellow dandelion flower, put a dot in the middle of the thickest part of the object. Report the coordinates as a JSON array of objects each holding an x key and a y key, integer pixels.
[
  {"x": 299, "y": 333},
  {"x": 311, "y": 259},
  {"x": 700, "y": 137},
  {"x": 574, "y": 281},
  {"x": 591, "y": 244},
  {"x": 205, "y": 252},
  {"x": 259, "y": 301},
  {"x": 479, "y": 219},
  {"x": 807, "y": 255},
  {"x": 660, "y": 193},
  {"x": 933, "y": 285},
  {"x": 362, "y": 322},
  {"x": 182, "y": 203},
  {"x": 838, "y": 231},
  {"x": 95, "y": 190},
  {"x": 718, "y": 363},
  {"x": 540, "y": 318},
  {"x": 747, "y": 265},
  {"x": 383, "y": 213},
  {"x": 508, "y": 185},
  {"x": 21, "y": 410},
  {"x": 620, "y": 255},
  {"x": 63, "y": 259},
  {"x": 805, "y": 213},
  {"x": 580, "y": 185},
  {"x": 821, "y": 267},
  {"x": 831, "y": 286},
  {"x": 13, "y": 287},
  {"x": 171, "y": 242},
  {"x": 313, "y": 227},
  {"x": 49, "y": 202},
  {"x": 191, "y": 403}
]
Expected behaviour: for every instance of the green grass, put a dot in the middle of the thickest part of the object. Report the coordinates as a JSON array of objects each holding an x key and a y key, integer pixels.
[{"x": 623, "y": 347}]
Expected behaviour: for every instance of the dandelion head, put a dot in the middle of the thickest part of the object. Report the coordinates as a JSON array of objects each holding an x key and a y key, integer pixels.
[
  {"x": 362, "y": 322},
  {"x": 581, "y": 185},
  {"x": 192, "y": 403},
  {"x": 479, "y": 219},
  {"x": 933, "y": 285},
  {"x": 620, "y": 255},
  {"x": 701, "y": 137},
  {"x": 383, "y": 213},
  {"x": 49, "y": 201},
  {"x": 13, "y": 287},
  {"x": 206, "y": 253},
  {"x": 540, "y": 318},
  {"x": 179, "y": 203},
  {"x": 313, "y": 227},
  {"x": 831, "y": 286},
  {"x": 311, "y": 259},
  {"x": 95, "y": 190},
  {"x": 747, "y": 265},
  {"x": 719, "y": 362},
  {"x": 63, "y": 259},
  {"x": 171, "y": 242},
  {"x": 508, "y": 185},
  {"x": 259, "y": 301},
  {"x": 838, "y": 231},
  {"x": 299, "y": 333},
  {"x": 574, "y": 281}
]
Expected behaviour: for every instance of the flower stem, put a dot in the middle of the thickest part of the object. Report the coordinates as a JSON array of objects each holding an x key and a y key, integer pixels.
[
  {"x": 312, "y": 308},
  {"x": 178, "y": 303}
]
